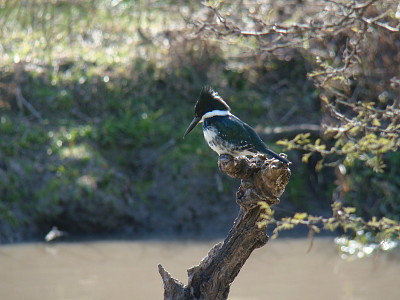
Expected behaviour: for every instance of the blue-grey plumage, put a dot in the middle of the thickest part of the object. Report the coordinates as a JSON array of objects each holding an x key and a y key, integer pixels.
[{"x": 224, "y": 132}]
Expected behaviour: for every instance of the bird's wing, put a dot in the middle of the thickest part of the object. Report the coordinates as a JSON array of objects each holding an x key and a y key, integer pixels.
[
  {"x": 259, "y": 145},
  {"x": 236, "y": 131},
  {"x": 242, "y": 135}
]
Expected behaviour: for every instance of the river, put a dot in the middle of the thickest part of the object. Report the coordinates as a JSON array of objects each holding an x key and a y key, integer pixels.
[{"x": 128, "y": 270}]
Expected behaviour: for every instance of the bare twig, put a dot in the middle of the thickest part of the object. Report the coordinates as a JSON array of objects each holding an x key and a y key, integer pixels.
[{"x": 21, "y": 99}]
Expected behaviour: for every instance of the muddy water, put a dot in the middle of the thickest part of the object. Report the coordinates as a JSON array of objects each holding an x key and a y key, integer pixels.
[{"x": 128, "y": 270}]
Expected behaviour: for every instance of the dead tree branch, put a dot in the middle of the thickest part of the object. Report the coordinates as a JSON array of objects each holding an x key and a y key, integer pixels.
[{"x": 263, "y": 180}]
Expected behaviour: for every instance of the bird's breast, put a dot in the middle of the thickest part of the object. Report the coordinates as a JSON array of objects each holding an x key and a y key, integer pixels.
[{"x": 213, "y": 140}]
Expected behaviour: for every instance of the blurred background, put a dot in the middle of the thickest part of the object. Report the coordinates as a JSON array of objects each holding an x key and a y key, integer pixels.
[
  {"x": 110, "y": 87},
  {"x": 96, "y": 95}
]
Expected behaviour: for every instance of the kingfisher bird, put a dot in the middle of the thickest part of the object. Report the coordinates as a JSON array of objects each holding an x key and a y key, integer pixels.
[{"x": 224, "y": 132}]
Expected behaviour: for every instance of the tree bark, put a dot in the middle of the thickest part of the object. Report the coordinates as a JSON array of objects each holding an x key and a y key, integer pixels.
[{"x": 262, "y": 180}]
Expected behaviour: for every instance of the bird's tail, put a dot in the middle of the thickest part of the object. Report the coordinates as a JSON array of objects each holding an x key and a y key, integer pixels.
[{"x": 275, "y": 155}]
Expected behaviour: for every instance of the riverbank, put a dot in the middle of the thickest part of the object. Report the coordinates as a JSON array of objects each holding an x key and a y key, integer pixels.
[{"x": 94, "y": 101}]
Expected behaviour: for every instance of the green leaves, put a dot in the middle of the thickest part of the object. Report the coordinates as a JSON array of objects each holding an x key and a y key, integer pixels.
[
  {"x": 344, "y": 217},
  {"x": 366, "y": 136}
]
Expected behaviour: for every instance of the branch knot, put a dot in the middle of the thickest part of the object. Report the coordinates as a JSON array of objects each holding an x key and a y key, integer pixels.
[{"x": 263, "y": 179}]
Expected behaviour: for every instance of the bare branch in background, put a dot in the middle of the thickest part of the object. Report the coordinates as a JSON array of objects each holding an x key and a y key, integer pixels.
[{"x": 351, "y": 45}]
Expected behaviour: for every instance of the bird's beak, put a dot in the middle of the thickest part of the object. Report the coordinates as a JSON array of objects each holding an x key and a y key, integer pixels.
[{"x": 192, "y": 125}]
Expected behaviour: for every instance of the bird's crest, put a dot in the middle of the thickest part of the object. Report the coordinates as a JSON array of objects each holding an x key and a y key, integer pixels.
[{"x": 209, "y": 100}]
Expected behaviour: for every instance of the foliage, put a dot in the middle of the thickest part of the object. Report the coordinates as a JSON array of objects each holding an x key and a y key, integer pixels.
[
  {"x": 382, "y": 230},
  {"x": 88, "y": 143},
  {"x": 363, "y": 137},
  {"x": 95, "y": 96},
  {"x": 363, "y": 122},
  {"x": 353, "y": 54}
]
